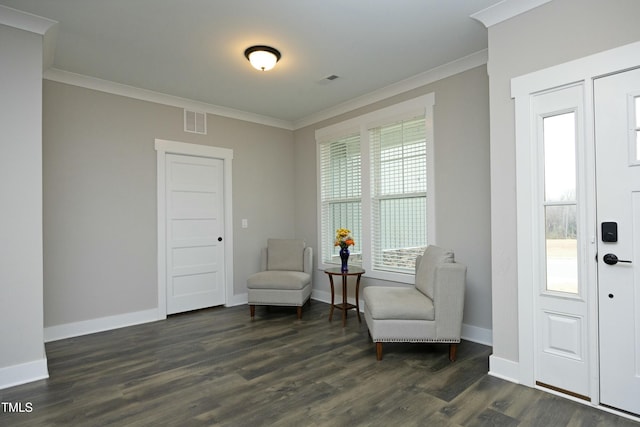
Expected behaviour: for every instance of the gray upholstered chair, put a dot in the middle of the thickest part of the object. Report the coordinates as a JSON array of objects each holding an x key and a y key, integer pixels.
[
  {"x": 429, "y": 312},
  {"x": 285, "y": 276}
]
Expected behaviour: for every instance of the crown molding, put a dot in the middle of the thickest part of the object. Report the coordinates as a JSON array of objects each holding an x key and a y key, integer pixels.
[
  {"x": 100, "y": 85},
  {"x": 455, "y": 67},
  {"x": 45, "y": 27},
  {"x": 25, "y": 21},
  {"x": 447, "y": 70},
  {"x": 504, "y": 10}
]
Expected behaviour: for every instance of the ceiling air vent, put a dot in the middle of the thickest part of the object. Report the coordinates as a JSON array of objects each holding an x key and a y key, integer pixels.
[
  {"x": 195, "y": 122},
  {"x": 328, "y": 79}
]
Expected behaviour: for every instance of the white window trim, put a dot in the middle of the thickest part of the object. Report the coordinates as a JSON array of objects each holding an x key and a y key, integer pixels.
[{"x": 420, "y": 105}]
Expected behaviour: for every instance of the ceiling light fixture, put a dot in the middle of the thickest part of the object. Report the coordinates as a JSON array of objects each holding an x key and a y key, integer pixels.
[{"x": 262, "y": 58}]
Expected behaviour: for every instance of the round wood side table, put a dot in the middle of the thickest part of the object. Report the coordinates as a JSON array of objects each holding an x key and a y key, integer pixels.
[{"x": 344, "y": 306}]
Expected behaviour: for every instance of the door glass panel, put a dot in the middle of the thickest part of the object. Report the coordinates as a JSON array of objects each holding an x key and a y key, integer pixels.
[
  {"x": 561, "y": 248},
  {"x": 637, "y": 106},
  {"x": 560, "y": 157},
  {"x": 561, "y": 243}
]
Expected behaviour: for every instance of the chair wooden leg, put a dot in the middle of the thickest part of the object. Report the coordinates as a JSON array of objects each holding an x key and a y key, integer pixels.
[
  {"x": 379, "y": 351},
  {"x": 252, "y": 310},
  {"x": 299, "y": 312},
  {"x": 453, "y": 349}
]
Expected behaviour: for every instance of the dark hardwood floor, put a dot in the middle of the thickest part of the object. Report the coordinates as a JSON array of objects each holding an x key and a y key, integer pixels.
[{"x": 217, "y": 367}]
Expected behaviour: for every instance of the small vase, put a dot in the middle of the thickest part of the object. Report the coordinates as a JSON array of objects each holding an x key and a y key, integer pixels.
[{"x": 344, "y": 257}]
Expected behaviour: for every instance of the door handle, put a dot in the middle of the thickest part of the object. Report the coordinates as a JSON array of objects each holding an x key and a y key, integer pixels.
[{"x": 612, "y": 259}]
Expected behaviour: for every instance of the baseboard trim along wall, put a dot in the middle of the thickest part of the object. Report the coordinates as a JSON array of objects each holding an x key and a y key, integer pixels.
[
  {"x": 238, "y": 299},
  {"x": 477, "y": 334},
  {"x": 76, "y": 329},
  {"x": 469, "y": 332},
  {"x": 23, "y": 373},
  {"x": 504, "y": 369},
  {"x": 85, "y": 327}
]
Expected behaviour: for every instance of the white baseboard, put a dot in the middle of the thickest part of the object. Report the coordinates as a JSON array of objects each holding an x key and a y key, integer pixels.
[
  {"x": 504, "y": 369},
  {"x": 321, "y": 296},
  {"x": 23, "y": 373},
  {"x": 477, "y": 334},
  {"x": 85, "y": 327},
  {"x": 238, "y": 300},
  {"x": 69, "y": 330},
  {"x": 469, "y": 332}
]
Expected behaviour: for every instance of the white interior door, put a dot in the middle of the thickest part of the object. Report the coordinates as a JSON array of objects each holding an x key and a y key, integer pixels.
[
  {"x": 617, "y": 131},
  {"x": 194, "y": 233}
]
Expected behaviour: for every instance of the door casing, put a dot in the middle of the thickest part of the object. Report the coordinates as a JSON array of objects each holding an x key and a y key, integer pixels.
[
  {"x": 164, "y": 147},
  {"x": 582, "y": 71}
]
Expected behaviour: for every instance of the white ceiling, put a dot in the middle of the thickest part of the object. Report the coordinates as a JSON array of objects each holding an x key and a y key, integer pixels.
[{"x": 194, "y": 49}]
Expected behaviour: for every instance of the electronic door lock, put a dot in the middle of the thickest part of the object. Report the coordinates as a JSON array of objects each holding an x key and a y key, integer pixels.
[{"x": 610, "y": 232}]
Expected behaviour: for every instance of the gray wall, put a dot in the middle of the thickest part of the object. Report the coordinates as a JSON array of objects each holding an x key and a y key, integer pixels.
[
  {"x": 21, "y": 335},
  {"x": 556, "y": 32},
  {"x": 461, "y": 134},
  {"x": 99, "y": 167},
  {"x": 100, "y": 188}
]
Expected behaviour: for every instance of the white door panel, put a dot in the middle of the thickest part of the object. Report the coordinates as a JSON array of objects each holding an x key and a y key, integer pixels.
[
  {"x": 194, "y": 229},
  {"x": 562, "y": 335},
  {"x": 561, "y": 359},
  {"x": 195, "y": 226},
  {"x": 617, "y": 126},
  {"x": 192, "y": 204}
]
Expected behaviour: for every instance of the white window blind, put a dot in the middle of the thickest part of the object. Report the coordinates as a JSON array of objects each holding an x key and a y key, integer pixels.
[
  {"x": 375, "y": 178},
  {"x": 341, "y": 195},
  {"x": 399, "y": 194}
]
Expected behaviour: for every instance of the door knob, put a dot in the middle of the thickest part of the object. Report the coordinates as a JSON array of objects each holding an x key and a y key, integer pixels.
[{"x": 612, "y": 259}]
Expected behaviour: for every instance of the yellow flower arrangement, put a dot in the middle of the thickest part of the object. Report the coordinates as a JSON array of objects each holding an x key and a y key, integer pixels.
[{"x": 343, "y": 238}]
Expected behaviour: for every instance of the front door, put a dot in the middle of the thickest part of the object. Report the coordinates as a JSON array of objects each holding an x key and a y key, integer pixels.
[
  {"x": 194, "y": 233},
  {"x": 617, "y": 132}
]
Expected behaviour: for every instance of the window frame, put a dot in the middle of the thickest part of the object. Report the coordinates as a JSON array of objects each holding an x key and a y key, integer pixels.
[{"x": 420, "y": 106}]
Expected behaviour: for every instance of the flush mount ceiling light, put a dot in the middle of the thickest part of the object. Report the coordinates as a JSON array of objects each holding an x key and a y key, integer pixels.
[{"x": 262, "y": 58}]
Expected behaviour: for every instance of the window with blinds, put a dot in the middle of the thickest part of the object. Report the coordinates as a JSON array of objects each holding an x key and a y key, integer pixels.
[
  {"x": 375, "y": 179},
  {"x": 341, "y": 195},
  {"x": 399, "y": 194}
]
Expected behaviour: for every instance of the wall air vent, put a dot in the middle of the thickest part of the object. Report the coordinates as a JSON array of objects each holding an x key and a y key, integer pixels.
[{"x": 195, "y": 122}]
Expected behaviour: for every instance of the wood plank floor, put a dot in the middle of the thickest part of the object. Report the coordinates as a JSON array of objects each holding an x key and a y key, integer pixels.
[{"x": 217, "y": 367}]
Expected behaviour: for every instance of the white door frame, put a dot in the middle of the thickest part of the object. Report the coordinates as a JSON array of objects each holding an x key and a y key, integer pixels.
[
  {"x": 164, "y": 147},
  {"x": 582, "y": 71}
]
